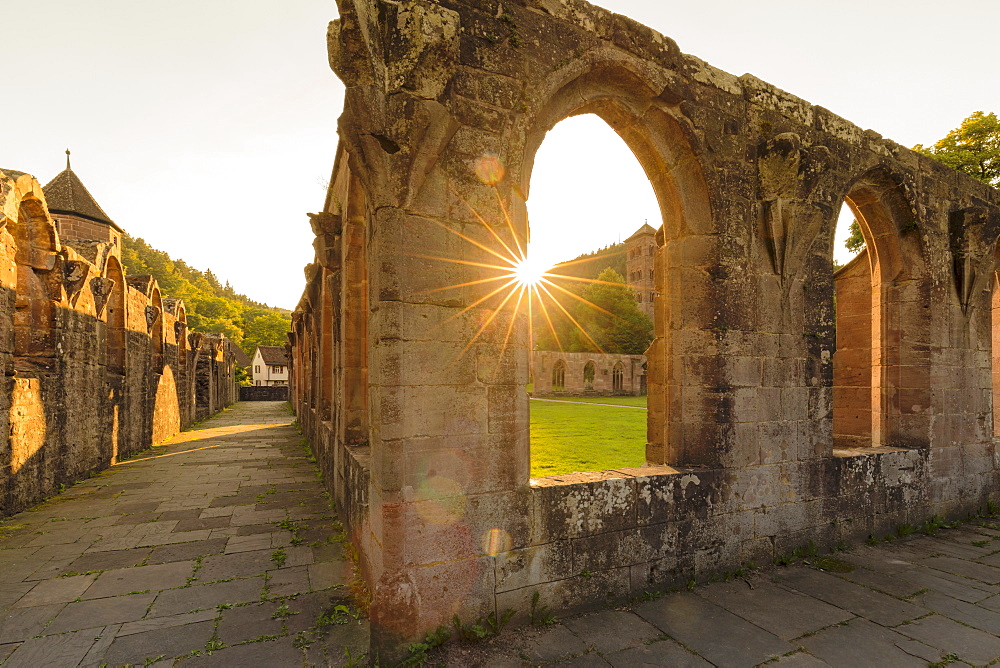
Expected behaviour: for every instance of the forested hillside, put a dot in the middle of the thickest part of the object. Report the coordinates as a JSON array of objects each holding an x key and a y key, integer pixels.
[
  {"x": 589, "y": 265},
  {"x": 211, "y": 306}
]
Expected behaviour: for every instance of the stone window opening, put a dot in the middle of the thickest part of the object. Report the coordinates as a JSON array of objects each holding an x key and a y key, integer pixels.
[
  {"x": 559, "y": 376},
  {"x": 618, "y": 377},
  {"x": 878, "y": 393},
  {"x": 588, "y": 376},
  {"x": 34, "y": 315},
  {"x": 115, "y": 318},
  {"x": 157, "y": 333},
  {"x": 644, "y": 257},
  {"x": 995, "y": 352}
]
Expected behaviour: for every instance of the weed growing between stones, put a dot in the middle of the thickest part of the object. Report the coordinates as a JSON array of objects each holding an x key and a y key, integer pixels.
[
  {"x": 540, "y": 614},
  {"x": 279, "y": 557},
  {"x": 945, "y": 660},
  {"x": 283, "y": 611},
  {"x": 799, "y": 553},
  {"x": 418, "y": 651}
]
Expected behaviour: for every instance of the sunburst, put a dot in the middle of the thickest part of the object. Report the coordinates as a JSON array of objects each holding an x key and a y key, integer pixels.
[{"x": 520, "y": 281}]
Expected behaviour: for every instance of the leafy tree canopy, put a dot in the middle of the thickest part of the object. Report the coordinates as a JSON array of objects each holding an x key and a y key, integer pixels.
[
  {"x": 973, "y": 148},
  {"x": 855, "y": 240},
  {"x": 210, "y": 306},
  {"x": 607, "y": 318}
]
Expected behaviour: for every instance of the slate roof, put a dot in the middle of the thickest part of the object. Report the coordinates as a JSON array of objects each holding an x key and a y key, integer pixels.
[
  {"x": 642, "y": 231},
  {"x": 242, "y": 359},
  {"x": 66, "y": 194},
  {"x": 274, "y": 355}
]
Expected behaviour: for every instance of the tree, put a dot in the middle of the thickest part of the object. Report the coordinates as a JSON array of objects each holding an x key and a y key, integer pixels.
[
  {"x": 855, "y": 241},
  {"x": 268, "y": 329},
  {"x": 973, "y": 148},
  {"x": 608, "y": 315}
]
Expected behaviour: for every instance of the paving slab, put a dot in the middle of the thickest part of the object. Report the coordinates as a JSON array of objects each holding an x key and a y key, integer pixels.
[
  {"x": 100, "y": 612},
  {"x": 612, "y": 630},
  {"x": 860, "y": 642},
  {"x": 661, "y": 653},
  {"x": 142, "y": 578},
  {"x": 859, "y": 600},
  {"x": 138, "y": 648},
  {"x": 713, "y": 632},
  {"x": 965, "y": 568},
  {"x": 786, "y": 613},
  {"x": 67, "y": 649},
  {"x": 60, "y": 590},
  {"x": 554, "y": 644},
  {"x": 960, "y": 611},
  {"x": 209, "y": 596},
  {"x": 102, "y": 561},
  {"x": 166, "y": 554},
  {"x": 23, "y": 623},
  {"x": 971, "y": 645},
  {"x": 249, "y": 622},
  {"x": 219, "y": 566}
]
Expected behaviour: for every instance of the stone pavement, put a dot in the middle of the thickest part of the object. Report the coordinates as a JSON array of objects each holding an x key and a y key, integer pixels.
[
  {"x": 215, "y": 548},
  {"x": 915, "y": 601},
  {"x": 219, "y": 548}
]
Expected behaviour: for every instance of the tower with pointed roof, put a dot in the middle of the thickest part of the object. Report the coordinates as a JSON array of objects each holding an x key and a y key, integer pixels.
[
  {"x": 639, "y": 251},
  {"x": 77, "y": 215}
]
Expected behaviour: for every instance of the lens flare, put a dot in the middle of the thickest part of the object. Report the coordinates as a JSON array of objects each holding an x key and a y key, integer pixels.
[
  {"x": 489, "y": 168},
  {"x": 512, "y": 281},
  {"x": 529, "y": 271}
]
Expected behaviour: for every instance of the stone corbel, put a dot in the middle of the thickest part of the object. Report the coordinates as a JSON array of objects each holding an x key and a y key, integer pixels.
[
  {"x": 790, "y": 216},
  {"x": 152, "y": 313},
  {"x": 325, "y": 223},
  {"x": 75, "y": 274},
  {"x": 101, "y": 289},
  {"x": 972, "y": 235}
]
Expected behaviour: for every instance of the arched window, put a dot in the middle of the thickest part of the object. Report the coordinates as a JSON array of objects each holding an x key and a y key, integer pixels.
[
  {"x": 156, "y": 331},
  {"x": 559, "y": 376},
  {"x": 115, "y": 337},
  {"x": 34, "y": 314},
  {"x": 618, "y": 377},
  {"x": 180, "y": 327},
  {"x": 871, "y": 304},
  {"x": 995, "y": 355},
  {"x": 588, "y": 376}
]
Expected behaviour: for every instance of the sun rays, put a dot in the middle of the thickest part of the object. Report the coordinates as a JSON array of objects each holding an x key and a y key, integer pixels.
[{"x": 514, "y": 280}]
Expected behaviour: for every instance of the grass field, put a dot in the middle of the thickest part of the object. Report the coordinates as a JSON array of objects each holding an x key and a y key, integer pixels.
[{"x": 578, "y": 436}]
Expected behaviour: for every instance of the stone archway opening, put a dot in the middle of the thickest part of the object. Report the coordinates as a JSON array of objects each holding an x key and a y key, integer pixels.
[
  {"x": 595, "y": 315},
  {"x": 877, "y": 390}
]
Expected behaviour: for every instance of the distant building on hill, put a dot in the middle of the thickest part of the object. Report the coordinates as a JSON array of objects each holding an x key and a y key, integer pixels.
[
  {"x": 270, "y": 365},
  {"x": 640, "y": 249}
]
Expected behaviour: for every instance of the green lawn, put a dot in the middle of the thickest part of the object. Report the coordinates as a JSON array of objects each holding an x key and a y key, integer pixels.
[{"x": 571, "y": 437}]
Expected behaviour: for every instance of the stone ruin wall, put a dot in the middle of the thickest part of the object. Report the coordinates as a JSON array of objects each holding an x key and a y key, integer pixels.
[
  {"x": 574, "y": 365},
  {"x": 97, "y": 366},
  {"x": 413, "y": 397}
]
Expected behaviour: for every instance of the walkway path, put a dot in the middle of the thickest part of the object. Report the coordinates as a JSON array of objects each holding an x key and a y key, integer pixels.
[
  {"x": 586, "y": 403},
  {"x": 217, "y": 547}
]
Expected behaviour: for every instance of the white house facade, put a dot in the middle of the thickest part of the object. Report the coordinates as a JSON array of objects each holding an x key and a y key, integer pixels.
[{"x": 270, "y": 366}]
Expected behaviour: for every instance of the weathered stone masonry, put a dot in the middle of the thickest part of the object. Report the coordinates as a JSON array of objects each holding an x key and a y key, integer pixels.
[
  {"x": 96, "y": 365},
  {"x": 760, "y": 439}
]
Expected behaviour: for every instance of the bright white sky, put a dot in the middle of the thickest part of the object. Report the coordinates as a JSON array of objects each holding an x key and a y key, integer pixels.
[{"x": 208, "y": 127}]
